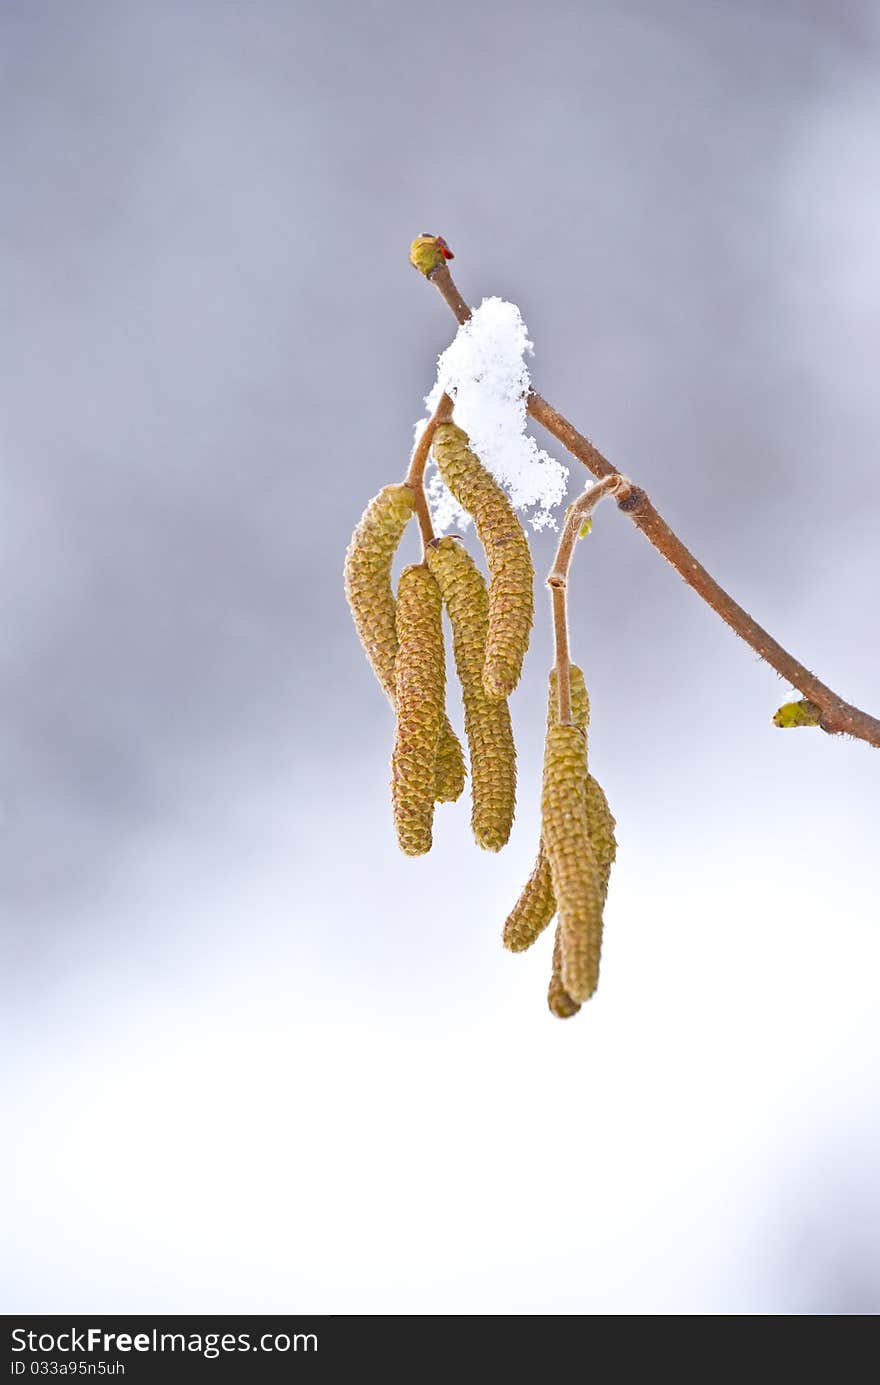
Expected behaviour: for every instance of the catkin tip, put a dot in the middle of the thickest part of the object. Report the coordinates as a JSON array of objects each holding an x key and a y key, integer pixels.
[
  {"x": 533, "y": 910},
  {"x": 499, "y": 678},
  {"x": 451, "y": 772},
  {"x": 559, "y": 1001}
]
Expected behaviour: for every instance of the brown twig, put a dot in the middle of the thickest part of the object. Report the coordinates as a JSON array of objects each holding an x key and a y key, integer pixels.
[
  {"x": 837, "y": 716},
  {"x": 415, "y": 476},
  {"x": 557, "y": 579}
]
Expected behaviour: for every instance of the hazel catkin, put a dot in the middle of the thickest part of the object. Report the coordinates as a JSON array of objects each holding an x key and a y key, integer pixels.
[
  {"x": 536, "y": 905},
  {"x": 573, "y": 868},
  {"x": 601, "y": 825},
  {"x": 511, "y": 575},
  {"x": 368, "y": 577},
  {"x": 486, "y": 720},
  {"x": 371, "y": 599},
  {"x": 420, "y": 683},
  {"x": 600, "y": 822},
  {"x": 533, "y": 910}
]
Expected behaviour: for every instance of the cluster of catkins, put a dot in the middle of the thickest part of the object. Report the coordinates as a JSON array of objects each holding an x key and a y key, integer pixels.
[{"x": 403, "y": 638}]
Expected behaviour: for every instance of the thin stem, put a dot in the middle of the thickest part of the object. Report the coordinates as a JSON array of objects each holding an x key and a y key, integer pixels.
[
  {"x": 615, "y": 485},
  {"x": 836, "y": 715},
  {"x": 443, "y": 280},
  {"x": 416, "y": 474},
  {"x": 563, "y": 654},
  {"x": 557, "y": 580}
]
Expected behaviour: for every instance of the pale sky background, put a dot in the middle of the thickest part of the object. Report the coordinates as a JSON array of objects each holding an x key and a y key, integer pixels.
[{"x": 256, "y": 1060}]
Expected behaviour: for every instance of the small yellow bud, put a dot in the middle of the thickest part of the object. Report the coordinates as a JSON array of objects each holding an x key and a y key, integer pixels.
[
  {"x": 427, "y": 254},
  {"x": 803, "y": 713},
  {"x": 486, "y": 720},
  {"x": 420, "y": 685},
  {"x": 511, "y": 575}
]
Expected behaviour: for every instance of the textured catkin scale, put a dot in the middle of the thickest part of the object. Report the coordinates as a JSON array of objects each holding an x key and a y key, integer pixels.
[
  {"x": 486, "y": 720},
  {"x": 511, "y": 575},
  {"x": 536, "y": 905},
  {"x": 558, "y": 999},
  {"x": 573, "y": 867},
  {"x": 420, "y": 683},
  {"x": 371, "y": 599}
]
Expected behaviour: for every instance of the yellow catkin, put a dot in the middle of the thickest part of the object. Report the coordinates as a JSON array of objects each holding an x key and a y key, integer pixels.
[
  {"x": 511, "y": 575},
  {"x": 533, "y": 910},
  {"x": 368, "y": 577},
  {"x": 573, "y": 867},
  {"x": 558, "y": 999},
  {"x": 536, "y": 905},
  {"x": 599, "y": 820},
  {"x": 601, "y": 826},
  {"x": 371, "y": 599},
  {"x": 486, "y": 720},
  {"x": 420, "y": 684}
]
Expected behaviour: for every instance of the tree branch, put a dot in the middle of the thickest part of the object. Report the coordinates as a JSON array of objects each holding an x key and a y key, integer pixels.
[{"x": 835, "y": 715}]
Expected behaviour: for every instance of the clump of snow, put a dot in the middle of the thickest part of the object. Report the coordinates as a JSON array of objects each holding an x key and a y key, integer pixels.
[{"x": 485, "y": 374}]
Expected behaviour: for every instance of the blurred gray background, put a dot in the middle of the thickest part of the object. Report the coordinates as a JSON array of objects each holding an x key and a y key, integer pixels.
[{"x": 255, "y": 1059}]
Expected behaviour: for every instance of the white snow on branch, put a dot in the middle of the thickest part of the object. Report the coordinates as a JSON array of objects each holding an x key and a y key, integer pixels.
[{"x": 485, "y": 374}]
